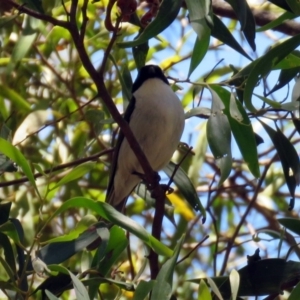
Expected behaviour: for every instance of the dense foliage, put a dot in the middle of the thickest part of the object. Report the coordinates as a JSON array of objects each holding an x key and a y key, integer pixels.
[{"x": 66, "y": 70}]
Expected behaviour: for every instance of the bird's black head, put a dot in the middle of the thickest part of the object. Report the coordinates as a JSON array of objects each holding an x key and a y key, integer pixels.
[{"x": 147, "y": 72}]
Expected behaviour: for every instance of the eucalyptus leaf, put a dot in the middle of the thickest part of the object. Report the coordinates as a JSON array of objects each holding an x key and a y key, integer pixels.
[{"x": 168, "y": 11}]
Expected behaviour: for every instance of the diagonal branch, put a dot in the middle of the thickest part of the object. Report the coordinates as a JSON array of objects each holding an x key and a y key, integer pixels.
[{"x": 262, "y": 17}]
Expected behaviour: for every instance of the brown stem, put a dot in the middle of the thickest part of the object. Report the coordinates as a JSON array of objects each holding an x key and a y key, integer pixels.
[
  {"x": 37, "y": 15},
  {"x": 262, "y": 17},
  {"x": 243, "y": 218},
  {"x": 57, "y": 168}
]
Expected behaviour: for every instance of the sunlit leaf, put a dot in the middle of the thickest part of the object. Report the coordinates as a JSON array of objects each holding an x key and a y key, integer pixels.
[
  {"x": 109, "y": 213},
  {"x": 15, "y": 155},
  {"x": 76, "y": 173},
  {"x": 203, "y": 291},
  {"x": 185, "y": 186},
  {"x": 163, "y": 287},
  {"x": 234, "y": 279}
]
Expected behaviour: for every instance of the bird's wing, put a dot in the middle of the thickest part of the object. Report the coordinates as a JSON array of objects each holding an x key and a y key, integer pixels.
[{"x": 113, "y": 166}]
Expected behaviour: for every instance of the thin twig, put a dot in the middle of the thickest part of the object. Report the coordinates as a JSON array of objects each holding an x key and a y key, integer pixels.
[
  {"x": 37, "y": 15},
  {"x": 189, "y": 253},
  {"x": 58, "y": 168},
  {"x": 243, "y": 218}
]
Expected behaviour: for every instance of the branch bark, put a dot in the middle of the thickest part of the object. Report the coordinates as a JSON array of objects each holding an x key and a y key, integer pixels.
[{"x": 262, "y": 17}]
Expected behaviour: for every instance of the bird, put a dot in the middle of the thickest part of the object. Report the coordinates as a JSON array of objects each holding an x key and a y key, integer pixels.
[{"x": 156, "y": 118}]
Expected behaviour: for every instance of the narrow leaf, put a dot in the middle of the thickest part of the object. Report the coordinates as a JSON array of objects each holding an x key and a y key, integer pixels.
[
  {"x": 162, "y": 289},
  {"x": 186, "y": 187},
  {"x": 242, "y": 131},
  {"x": 14, "y": 97},
  {"x": 276, "y": 22},
  {"x": 265, "y": 64},
  {"x": 200, "y": 46},
  {"x": 285, "y": 76},
  {"x": 234, "y": 279},
  {"x": 295, "y": 294},
  {"x": 221, "y": 32},
  {"x": 288, "y": 157},
  {"x": 107, "y": 212},
  {"x": 76, "y": 173},
  {"x": 291, "y": 224},
  {"x": 15, "y": 155},
  {"x": 203, "y": 291},
  {"x": 143, "y": 289},
  {"x": 80, "y": 290},
  {"x": 167, "y": 13}
]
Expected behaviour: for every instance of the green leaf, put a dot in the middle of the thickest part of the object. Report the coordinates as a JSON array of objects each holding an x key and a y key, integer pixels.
[
  {"x": 281, "y": 3},
  {"x": 108, "y": 213},
  {"x": 245, "y": 16},
  {"x": 95, "y": 117},
  {"x": 22, "y": 46},
  {"x": 295, "y": 294},
  {"x": 81, "y": 226},
  {"x": 7, "y": 20},
  {"x": 80, "y": 290},
  {"x": 50, "y": 295},
  {"x": 234, "y": 279},
  {"x": 125, "y": 84},
  {"x": 242, "y": 131},
  {"x": 219, "y": 136},
  {"x": 285, "y": 76},
  {"x": 56, "y": 253},
  {"x": 202, "y": 112},
  {"x": 290, "y": 61},
  {"x": 185, "y": 187},
  {"x": 116, "y": 245},
  {"x": 214, "y": 288},
  {"x": 276, "y": 22},
  {"x": 288, "y": 157},
  {"x": 8, "y": 252},
  {"x": 10, "y": 230},
  {"x": 4, "y": 212},
  {"x": 265, "y": 64},
  {"x": 140, "y": 54},
  {"x": 162, "y": 289},
  {"x": 267, "y": 276},
  {"x": 15, "y": 155},
  {"x": 221, "y": 32},
  {"x": 272, "y": 103},
  {"x": 167, "y": 13},
  {"x": 294, "y": 6},
  {"x": 7, "y": 269},
  {"x": 200, "y": 46},
  {"x": 143, "y": 289},
  {"x": 198, "y": 9},
  {"x": 76, "y": 173},
  {"x": 15, "y": 98},
  {"x": 291, "y": 224},
  {"x": 104, "y": 235},
  {"x": 34, "y": 4},
  {"x": 203, "y": 291}
]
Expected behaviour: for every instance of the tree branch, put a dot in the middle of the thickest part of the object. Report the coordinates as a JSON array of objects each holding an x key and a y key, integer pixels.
[
  {"x": 37, "y": 15},
  {"x": 262, "y": 17},
  {"x": 57, "y": 168}
]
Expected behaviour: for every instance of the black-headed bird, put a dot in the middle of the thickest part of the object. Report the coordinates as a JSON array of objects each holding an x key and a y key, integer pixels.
[{"x": 156, "y": 118}]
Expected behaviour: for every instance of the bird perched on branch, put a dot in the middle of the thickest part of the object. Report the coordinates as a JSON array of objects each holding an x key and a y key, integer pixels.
[{"x": 156, "y": 118}]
